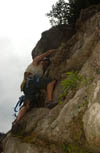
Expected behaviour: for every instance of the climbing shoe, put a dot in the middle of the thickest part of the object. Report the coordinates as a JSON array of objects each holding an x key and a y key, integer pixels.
[
  {"x": 50, "y": 104},
  {"x": 16, "y": 127}
]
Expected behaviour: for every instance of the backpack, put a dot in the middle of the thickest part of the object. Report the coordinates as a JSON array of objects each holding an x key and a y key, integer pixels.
[{"x": 30, "y": 85}]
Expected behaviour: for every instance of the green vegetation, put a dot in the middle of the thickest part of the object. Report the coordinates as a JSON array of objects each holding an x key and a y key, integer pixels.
[
  {"x": 59, "y": 13},
  {"x": 74, "y": 148},
  {"x": 77, "y": 135},
  {"x": 85, "y": 104},
  {"x": 67, "y": 13},
  {"x": 98, "y": 71},
  {"x": 71, "y": 82},
  {"x": 76, "y": 127},
  {"x": 53, "y": 146}
]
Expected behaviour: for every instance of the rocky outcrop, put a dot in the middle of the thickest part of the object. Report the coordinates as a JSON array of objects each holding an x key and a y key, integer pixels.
[
  {"x": 52, "y": 39},
  {"x": 86, "y": 14},
  {"x": 2, "y": 135},
  {"x": 73, "y": 125}
]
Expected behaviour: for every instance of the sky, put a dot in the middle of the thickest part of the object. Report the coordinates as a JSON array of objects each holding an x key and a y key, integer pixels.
[{"x": 21, "y": 25}]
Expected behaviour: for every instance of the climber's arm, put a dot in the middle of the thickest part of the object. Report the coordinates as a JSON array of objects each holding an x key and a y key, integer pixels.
[{"x": 37, "y": 59}]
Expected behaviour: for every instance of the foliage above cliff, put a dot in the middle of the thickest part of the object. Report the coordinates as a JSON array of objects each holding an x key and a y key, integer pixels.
[{"x": 67, "y": 13}]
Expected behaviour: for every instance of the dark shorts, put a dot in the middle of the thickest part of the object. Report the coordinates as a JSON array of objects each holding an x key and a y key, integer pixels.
[
  {"x": 31, "y": 92},
  {"x": 43, "y": 82}
]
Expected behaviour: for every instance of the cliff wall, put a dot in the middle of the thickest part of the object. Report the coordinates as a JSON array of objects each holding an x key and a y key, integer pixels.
[{"x": 73, "y": 126}]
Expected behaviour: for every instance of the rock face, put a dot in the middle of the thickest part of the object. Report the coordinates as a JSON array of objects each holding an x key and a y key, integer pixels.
[
  {"x": 73, "y": 126},
  {"x": 52, "y": 39},
  {"x": 2, "y": 135}
]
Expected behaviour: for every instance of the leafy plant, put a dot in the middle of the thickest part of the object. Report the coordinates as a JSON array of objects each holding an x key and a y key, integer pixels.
[
  {"x": 71, "y": 82},
  {"x": 59, "y": 13}
]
